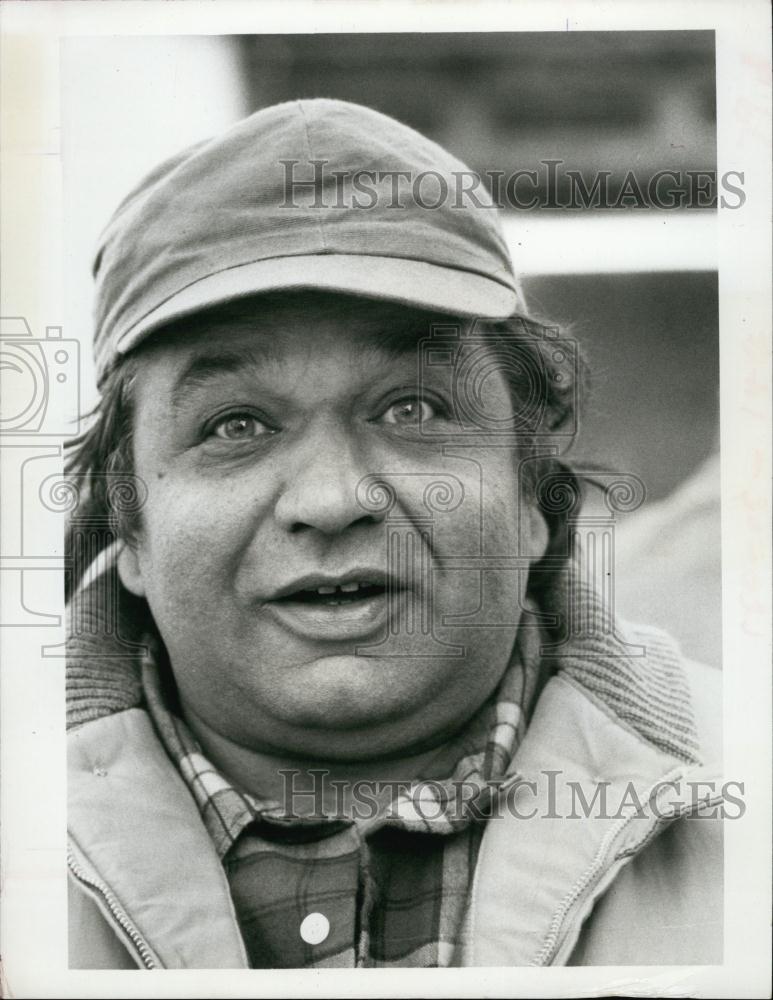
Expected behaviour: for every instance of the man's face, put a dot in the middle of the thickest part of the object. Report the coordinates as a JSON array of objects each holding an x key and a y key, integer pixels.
[{"x": 301, "y": 615}]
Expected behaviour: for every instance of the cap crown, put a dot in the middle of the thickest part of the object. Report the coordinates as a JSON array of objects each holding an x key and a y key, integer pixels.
[{"x": 312, "y": 177}]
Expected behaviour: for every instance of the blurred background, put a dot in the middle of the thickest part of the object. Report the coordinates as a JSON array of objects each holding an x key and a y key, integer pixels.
[{"x": 637, "y": 287}]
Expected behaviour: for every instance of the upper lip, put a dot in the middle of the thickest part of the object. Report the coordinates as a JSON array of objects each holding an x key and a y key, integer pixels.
[{"x": 311, "y": 581}]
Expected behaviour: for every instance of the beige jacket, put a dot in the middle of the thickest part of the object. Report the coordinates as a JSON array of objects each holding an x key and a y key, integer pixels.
[{"x": 628, "y": 886}]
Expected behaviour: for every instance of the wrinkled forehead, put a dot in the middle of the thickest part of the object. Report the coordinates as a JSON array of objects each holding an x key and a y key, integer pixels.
[
  {"x": 271, "y": 331},
  {"x": 313, "y": 315}
]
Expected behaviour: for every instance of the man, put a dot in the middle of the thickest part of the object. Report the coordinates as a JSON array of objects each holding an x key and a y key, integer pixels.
[{"x": 328, "y": 704}]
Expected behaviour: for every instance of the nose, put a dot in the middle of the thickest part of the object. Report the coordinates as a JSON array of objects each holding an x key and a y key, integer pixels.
[{"x": 320, "y": 490}]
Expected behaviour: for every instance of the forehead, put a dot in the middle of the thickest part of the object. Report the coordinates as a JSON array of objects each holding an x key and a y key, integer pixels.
[{"x": 268, "y": 327}]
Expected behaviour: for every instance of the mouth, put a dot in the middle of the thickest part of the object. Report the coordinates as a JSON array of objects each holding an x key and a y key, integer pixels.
[
  {"x": 335, "y": 595},
  {"x": 351, "y": 606}
]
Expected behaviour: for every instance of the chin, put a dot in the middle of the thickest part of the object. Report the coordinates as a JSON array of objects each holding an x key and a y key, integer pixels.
[{"x": 356, "y": 692}]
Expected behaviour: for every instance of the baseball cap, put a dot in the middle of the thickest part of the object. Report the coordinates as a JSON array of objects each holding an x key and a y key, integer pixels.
[{"x": 308, "y": 194}]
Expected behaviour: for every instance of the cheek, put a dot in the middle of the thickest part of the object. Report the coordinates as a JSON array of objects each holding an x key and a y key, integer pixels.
[
  {"x": 489, "y": 520},
  {"x": 488, "y": 544},
  {"x": 191, "y": 536}
]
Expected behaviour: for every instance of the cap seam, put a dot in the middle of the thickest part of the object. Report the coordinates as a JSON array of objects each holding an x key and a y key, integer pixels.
[{"x": 317, "y": 216}]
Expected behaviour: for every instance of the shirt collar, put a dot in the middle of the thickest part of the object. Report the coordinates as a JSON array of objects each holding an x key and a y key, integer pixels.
[{"x": 474, "y": 761}]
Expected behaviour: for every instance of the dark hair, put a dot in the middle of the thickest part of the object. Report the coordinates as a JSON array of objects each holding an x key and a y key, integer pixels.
[
  {"x": 544, "y": 388},
  {"x": 100, "y": 462}
]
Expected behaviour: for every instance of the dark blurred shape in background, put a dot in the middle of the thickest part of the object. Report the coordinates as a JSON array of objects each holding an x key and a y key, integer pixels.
[
  {"x": 612, "y": 100},
  {"x": 651, "y": 341}
]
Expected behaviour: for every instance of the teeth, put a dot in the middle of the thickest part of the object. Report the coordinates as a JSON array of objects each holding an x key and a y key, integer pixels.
[{"x": 346, "y": 588}]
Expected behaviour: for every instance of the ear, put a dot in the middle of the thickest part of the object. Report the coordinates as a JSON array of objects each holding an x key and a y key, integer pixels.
[
  {"x": 130, "y": 572},
  {"x": 539, "y": 533}
]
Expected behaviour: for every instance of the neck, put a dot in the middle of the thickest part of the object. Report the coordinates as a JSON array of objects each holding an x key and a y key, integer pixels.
[{"x": 319, "y": 787}]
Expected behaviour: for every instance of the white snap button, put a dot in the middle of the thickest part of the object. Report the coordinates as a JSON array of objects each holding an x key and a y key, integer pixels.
[{"x": 315, "y": 928}]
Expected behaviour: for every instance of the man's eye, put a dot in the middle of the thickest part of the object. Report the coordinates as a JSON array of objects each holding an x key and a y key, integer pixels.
[
  {"x": 238, "y": 427},
  {"x": 409, "y": 412}
]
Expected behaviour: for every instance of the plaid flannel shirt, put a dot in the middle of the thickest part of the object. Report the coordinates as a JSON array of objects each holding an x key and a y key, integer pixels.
[{"x": 386, "y": 891}]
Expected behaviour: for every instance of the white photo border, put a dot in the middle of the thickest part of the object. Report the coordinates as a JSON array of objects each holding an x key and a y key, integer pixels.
[{"x": 32, "y": 834}]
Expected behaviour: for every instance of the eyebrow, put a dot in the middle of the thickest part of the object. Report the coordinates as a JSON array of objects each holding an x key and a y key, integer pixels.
[{"x": 206, "y": 367}]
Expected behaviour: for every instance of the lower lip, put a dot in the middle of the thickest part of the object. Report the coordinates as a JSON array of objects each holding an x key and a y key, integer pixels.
[{"x": 333, "y": 622}]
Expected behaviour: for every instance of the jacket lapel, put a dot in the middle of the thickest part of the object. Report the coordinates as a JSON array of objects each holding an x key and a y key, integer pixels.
[
  {"x": 136, "y": 827},
  {"x": 546, "y": 857}
]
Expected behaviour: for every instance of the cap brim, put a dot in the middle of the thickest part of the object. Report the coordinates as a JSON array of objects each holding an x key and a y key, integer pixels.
[{"x": 410, "y": 282}]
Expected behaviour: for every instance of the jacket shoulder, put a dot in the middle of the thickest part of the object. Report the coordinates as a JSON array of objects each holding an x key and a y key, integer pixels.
[{"x": 666, "y": 906}]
